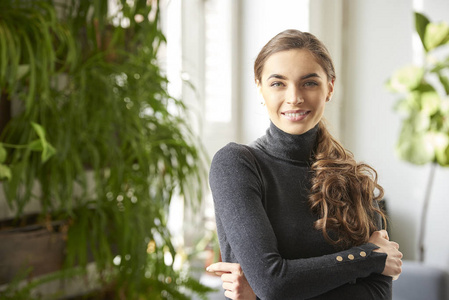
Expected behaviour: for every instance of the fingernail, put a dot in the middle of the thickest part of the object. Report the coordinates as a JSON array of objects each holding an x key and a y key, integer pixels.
[{"x": 208, "y": 269}]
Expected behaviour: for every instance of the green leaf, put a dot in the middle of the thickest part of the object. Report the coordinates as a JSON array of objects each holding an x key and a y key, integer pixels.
[
  {"x": 437, "y": 34},
  {"x": 424, "y": 87},
  {"x": 39, "y": 130},
  {"x": 444, "y": 82},
  {"x": 430, "y": 103},
  {"x": 22, "y": 70},
  {"x": 406, "y": 79},
  {"x": 2, "y": 153},
  {"x": 403, "y": 106},
  {"x": 441, "y": 145},
  {"x": 42, "y": 145},
  {"x": 408, "y": 105},
  {"x": 421, "y": 23},
  {"x": 443, "y": 157},
  {"x": 415, "y": 148},
  {"x": 48, "y": 152},
  {"x": 418, "y": 122},
  {"x": 445, "y": 108},
  {"x": 5, "y": 172},
  {"x": 440, "y": 65},
  {"x": 35, "y": 145}
]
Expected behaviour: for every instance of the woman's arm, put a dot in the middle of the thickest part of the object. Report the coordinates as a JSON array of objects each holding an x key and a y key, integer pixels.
[
  {"x": 237, "y": 287},
  {"x": 245, "y": 228}
]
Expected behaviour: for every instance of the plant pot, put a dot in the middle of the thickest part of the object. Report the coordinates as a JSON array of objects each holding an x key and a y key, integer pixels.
[{"x": 39, "y": 247}]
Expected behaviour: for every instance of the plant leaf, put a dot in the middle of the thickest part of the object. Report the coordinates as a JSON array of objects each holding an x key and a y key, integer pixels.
[
  {"x": 440, "y": 65},
  {"x": 443, "y": 157},
  {"x": 421, "y": 23},
  {"x": 420, "y": 122},
  {"x": 441, "y": 144},
  {"x": 48, "y": 152},
  {"x": 47, "y": 149},
  {"x": 415, "y": 148},
  {"x": 5, "y": 172},
  {"x": 430, "y": 103},
  {"x": 35, "y": 145},
  {"x": 437, "y": 34},
  {"x": 444, "y": 82},
  {"x": 39, "y": 130},
  {"x": 2, "y": 153},
  {"x": 406, "y": 79},
  {"x": 22, "y": 70}
]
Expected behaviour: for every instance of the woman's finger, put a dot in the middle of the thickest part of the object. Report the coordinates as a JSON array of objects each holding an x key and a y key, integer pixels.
[
  {"x": 395, "y": 245},
  {"x": 227, "y": 285},
  {"x": 224, "y": 267},
  {"x": 229, "y": 294},
  {"x": 228, "y": 277}
]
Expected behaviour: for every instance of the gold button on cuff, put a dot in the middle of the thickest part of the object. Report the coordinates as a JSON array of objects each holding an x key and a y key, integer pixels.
[
  {"x": 363, "y": 254},
  {"x": 351, "y": 257},
  {"x": 339, "y": 258}
]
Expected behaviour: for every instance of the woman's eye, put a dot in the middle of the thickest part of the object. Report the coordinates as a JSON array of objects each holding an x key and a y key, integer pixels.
[
  {"x": 310, "y": 84},
  {"x": 276, "y": 84}
]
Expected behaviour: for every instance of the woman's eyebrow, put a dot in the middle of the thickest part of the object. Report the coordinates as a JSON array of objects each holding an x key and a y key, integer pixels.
[
  {"x": 278, "y": 76},
  {"x": 310, "y": 76}
]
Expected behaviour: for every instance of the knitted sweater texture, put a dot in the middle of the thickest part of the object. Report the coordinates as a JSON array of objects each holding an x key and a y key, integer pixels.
[{"x": 264, "y": 222}]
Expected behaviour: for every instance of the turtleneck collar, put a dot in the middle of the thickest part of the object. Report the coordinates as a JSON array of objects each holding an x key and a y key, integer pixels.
[{"x": 297, "y": 148}]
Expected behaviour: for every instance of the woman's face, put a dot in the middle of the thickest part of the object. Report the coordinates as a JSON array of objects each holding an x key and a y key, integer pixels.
[{"x": 295, "y": 88}]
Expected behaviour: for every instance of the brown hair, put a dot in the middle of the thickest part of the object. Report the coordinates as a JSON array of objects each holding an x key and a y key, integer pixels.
[
  {"x": 343, "y": 193},
  {"x": 295, "y": 39}
]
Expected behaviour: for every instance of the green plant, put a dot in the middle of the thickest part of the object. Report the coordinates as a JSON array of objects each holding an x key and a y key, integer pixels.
[
  {"x": 115, "y": 147},
  {"x": 424, "y": 104}
]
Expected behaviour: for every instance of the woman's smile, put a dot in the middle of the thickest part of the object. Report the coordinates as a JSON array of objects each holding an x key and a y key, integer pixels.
[{"x": 296, "y": 115}]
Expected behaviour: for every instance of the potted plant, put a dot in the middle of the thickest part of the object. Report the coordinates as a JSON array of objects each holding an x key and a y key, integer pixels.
[
  {"x": 98, "y": 141},
  {"x": 424, "y": 105}
]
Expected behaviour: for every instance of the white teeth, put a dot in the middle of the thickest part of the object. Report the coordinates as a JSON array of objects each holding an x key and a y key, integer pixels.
[{"x": 294, "y": 115}]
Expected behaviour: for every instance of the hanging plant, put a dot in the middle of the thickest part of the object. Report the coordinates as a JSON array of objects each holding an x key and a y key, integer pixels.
[{"x": 114, "y": 146}]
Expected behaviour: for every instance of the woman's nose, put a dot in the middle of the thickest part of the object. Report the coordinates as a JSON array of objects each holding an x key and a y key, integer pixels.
[{"x": 294, "y": 96}]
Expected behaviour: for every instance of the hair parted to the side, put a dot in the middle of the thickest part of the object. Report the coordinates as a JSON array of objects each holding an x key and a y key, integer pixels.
[
  {"x": 343, "y": 193},
  {"x": 295, "y": 39}
]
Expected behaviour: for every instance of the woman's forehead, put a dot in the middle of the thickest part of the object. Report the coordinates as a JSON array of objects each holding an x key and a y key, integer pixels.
[{"x": 295, "y": 62}]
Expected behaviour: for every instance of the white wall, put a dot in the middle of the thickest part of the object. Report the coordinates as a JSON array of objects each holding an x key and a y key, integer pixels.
[{"x": 378, "y": 40}]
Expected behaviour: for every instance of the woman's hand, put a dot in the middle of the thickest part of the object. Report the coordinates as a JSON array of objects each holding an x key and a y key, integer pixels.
[
  {"x": 234, "y": 281},
  {"x": 393, "y": 264}
]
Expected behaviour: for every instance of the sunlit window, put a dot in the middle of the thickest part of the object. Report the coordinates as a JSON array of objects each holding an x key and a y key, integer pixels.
[{"x": 218, "y": 60}]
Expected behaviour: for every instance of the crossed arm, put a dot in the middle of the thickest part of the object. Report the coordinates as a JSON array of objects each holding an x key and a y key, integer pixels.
[{"x": 237, "y": 287}]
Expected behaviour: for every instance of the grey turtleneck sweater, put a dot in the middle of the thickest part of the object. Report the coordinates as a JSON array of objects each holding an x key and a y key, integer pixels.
[{"x": 264, "y": 223}]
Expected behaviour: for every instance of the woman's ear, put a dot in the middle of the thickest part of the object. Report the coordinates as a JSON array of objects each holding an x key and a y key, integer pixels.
[
  {"x": 259, "y": 92},
  {"x": 330, "y": 91}
]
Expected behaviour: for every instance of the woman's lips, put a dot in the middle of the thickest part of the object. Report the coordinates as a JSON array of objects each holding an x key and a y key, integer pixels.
[{"x": 295, "y": 115}]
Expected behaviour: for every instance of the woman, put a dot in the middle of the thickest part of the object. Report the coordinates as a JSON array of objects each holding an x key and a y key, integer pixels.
[{"x": 297, "y": 217}]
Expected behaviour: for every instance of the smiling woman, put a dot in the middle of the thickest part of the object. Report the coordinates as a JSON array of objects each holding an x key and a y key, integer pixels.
[{"x": 297, "y": 216}]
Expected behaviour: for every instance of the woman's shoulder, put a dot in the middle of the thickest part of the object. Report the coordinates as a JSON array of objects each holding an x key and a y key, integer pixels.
[
  {"x": 234, "y": 155},
  {"x": 232, "y": 166},
  {"x": 233, "y": 150}
]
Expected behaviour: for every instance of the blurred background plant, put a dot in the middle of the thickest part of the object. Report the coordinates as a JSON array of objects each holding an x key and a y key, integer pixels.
[
  {"x": 424, "y": 107},
  {"x": 89, "y": 131}
]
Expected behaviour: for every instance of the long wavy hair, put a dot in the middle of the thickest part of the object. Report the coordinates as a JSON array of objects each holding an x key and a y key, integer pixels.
[{"x": 344, "y": 193}]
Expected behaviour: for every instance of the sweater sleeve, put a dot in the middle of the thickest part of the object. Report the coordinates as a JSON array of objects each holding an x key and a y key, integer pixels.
[{"x": 245, "y": 229}]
